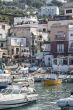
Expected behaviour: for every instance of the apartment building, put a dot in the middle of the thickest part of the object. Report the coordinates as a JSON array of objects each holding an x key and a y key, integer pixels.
[
  {"x": 20, "y": 38},
  {"x": 59, "y": 40},
  {"x": 3, "y": 37}
]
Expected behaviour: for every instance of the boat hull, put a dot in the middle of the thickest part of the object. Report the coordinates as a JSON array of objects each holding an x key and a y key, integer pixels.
[
  {"x": 14, "y": 104},
  {"x": 51, "y": 82},
  {"x": 6, "y": 106}
]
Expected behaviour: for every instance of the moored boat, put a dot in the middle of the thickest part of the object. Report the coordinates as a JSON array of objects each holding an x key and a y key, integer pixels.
[
  {"x": 14, "y": 96},
  {"x": 5, "y": 80},
  {"x": 52, "y": 79},
  {"x": 22, "y": 75},
  {"x": 66, "y": 103}
]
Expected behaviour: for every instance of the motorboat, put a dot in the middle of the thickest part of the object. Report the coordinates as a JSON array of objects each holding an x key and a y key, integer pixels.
[
  {"x": 22, "y": 75},
  {"x": 15, "y": 95},
  {"x": 5, "y": 80},
  {"x": 26, "y": 80},
  {"x": 66, "y": 103},
  {"x": 51, "y": 79}
]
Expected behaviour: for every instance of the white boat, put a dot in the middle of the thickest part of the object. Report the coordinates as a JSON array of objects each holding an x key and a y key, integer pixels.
[
  {"x": 66, "y": 102},
  {"x": 5, "y": 79},
  {"x": 26, "y": 80},
  {"x": 22, "y": 75},
  {"x": 14, "y": 96}
]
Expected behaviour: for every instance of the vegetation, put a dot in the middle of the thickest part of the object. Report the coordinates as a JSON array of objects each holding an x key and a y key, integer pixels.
[{"x": 17, "y": 8}]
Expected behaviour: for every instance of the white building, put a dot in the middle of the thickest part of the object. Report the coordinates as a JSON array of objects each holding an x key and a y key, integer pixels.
[
  {"x": 49, "y": 10},
  {"x": 25, "y": 20},
  {"x": 3, "y": 37}
]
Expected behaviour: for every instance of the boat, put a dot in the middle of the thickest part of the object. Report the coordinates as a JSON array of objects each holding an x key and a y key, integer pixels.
[
  {"x": 22, "y": 75},
  {"x": 51, "y": 79},
  {"x": 39, "y": 75},
  {"x": 5, "y": 80},
  {"x": 15, "y": 96},
  {"x": 66, "y": 102}
]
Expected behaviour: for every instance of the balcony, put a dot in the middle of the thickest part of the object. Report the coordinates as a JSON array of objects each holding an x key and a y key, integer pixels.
[
  {"x": 59, "y": 38},
  {"x": 60, "y": 52},
  {"x": 70, "y": 50}
]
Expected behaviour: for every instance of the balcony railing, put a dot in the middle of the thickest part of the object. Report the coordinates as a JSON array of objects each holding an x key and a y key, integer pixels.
[
  {"x": 58, "y": 38},
  {"x": 70, "y": 50},
  {"x": 60, "y": 52}
]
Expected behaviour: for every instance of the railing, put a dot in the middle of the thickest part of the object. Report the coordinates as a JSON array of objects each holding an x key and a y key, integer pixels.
[
  {"x": 70, "y": 50},
  {"x": 58, "y": 38},
  {"x": 60, "y": 52}
]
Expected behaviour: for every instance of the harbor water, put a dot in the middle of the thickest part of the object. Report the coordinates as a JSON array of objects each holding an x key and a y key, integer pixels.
[{"x": 48, "y": 97}]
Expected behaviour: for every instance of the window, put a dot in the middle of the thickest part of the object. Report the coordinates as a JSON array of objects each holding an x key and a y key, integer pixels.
[
  {"x": 65, "y": 62},
  {"x": 60, "y": 48},
  {"x": 44, "y": 30},
  {"x": 0, "y": 36},
  {"x": 3, "y": 27},
  {"x": 17, "y": 50},
  {"x": 71, "y": 61},
  {"x": 16, "y": 92},
  {"x": 69, "y": 11},
  {"x": 71, "y": 34},
  {"x": 12, "y": 51},
  {"x": 71, "y": 46},
  {"x": 1, "y": 44}
]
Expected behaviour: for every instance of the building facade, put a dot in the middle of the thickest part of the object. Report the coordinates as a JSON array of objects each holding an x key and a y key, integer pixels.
[
  {"x": 59, "y": 21},
  {"x": 3, "y": 37},
  {"x": 20, "y": 39},
  {"x": 25, "y": 20},
  {"x": 59, "y": 40},
  {"x": 70, "y": 39}
]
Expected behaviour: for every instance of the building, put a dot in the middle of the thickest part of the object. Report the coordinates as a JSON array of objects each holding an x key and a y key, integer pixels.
[
  {"x": 20, "y": 39},
  {"x": 25, "y": 20},
  {"x": 70, "y": 39},
  {"x": 59, "y": 40},
  {"x": 49, "y": 11},
  {"x": 3, "y": 37},
  {"x": 59, "y": 21},
  {"x": 43, "y": 35}
]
